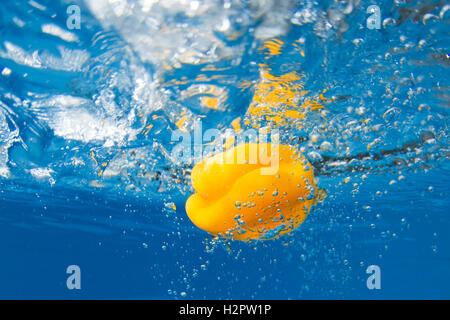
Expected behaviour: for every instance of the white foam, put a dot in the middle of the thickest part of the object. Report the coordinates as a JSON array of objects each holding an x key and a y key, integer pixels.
[
  {"x": 57, "y": 31},
  {"x": 69, "y": 60},
  {"x": 153, "y": 30},
  {"x": 75, "y": 118},
  {"x": 6, "y": 72},
  {"x": 7, "y": 138},
  {"x": 40, "y": 173}
]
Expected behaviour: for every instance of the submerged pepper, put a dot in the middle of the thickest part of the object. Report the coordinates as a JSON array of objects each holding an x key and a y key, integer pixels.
[{"x": 252, "y": 191}]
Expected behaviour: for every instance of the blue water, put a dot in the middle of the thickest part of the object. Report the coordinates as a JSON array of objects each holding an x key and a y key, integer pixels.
[{"x": 85, "y": 180}]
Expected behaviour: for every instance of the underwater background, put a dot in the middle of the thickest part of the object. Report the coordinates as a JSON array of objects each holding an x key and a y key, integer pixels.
[{"x": 87, "y": 114}]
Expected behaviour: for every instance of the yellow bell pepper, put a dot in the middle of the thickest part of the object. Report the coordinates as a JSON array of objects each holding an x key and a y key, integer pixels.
[{"x": 252, "y": 191}]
